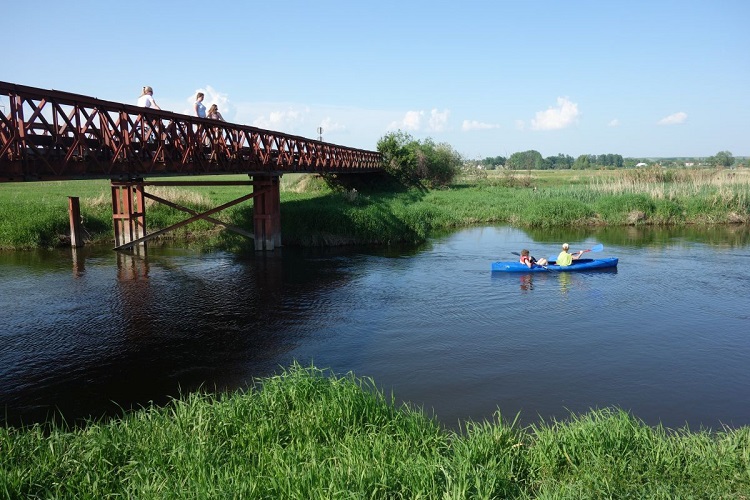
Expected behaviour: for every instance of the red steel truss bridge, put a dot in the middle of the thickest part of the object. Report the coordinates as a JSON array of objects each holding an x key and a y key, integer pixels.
[{"x": 55, "y": 135}]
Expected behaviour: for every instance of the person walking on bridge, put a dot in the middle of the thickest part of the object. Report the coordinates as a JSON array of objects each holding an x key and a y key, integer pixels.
[
  {"x": 146, "y": 99},
  {"x": 200, "y": 109}
]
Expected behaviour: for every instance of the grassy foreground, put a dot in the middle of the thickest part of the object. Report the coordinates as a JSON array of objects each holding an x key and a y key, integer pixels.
[
  {"x": 309, "y": 434},
  {"x": 35, "y": 215}
]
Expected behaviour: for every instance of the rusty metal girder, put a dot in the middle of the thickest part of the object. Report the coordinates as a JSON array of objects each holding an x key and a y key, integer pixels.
[{"x": 49, "y": 134}]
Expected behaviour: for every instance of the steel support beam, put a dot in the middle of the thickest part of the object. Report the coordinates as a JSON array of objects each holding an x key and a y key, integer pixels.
[
  {"x": 128, "y": 212},
  {"x": 267, "y": 212},
  {"x": 76, "y": 229}
]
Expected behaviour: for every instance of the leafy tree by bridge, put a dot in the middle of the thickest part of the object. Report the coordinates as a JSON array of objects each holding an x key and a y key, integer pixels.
[{"x": 413, "y": 161}]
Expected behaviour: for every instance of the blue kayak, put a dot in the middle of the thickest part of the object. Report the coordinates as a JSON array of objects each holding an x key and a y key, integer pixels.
[{"x": 577, "y": 265}]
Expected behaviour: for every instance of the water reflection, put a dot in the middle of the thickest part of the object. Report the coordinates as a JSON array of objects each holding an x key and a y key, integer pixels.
[
  {"x": 565, "y": 280},
  {"x": 79, "y": 262},
  {"x": 527, "y": 282},
  {"x": 131, "y": 267},
  {"x": 134, "y": 329}
]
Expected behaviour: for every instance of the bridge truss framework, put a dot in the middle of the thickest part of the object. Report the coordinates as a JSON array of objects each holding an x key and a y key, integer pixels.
[{"x": 54, "y": 135}]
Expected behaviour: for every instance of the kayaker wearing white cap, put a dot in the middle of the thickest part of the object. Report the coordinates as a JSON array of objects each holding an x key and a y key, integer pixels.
[{"x": 566, "y": 258}]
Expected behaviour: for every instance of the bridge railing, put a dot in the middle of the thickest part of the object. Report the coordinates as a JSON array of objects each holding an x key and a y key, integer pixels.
[{"x": 49, "y": 134}]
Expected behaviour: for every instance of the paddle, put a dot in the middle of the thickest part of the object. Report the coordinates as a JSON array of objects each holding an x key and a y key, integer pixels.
[{"x": 595, "y": 248}]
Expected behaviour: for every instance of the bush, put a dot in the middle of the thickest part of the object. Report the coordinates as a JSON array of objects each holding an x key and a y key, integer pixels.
[{"x": 416, "y": 162}]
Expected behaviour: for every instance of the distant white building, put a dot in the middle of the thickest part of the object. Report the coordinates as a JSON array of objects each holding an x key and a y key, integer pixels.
[{"x": 641, "y": 164}]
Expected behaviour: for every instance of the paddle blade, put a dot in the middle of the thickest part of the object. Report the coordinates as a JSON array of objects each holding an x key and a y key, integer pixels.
[
  {"x": 597, "y": 248},
  {"x": 515, "y": 253}
]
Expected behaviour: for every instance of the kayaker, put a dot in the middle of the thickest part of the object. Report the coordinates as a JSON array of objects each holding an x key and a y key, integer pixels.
[
  {"x": 566, "y": 258},
  {"x": 529, "y": 261}
]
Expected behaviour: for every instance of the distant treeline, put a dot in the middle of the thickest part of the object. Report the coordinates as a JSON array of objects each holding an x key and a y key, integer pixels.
[{"x": 533, "y": 160}]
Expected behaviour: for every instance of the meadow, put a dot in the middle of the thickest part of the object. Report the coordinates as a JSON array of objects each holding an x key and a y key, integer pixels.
[{"x": 315, "y": 212}]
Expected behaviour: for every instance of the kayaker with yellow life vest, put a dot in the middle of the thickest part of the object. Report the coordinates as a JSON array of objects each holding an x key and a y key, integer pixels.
[{"x": 566, "y": 258}]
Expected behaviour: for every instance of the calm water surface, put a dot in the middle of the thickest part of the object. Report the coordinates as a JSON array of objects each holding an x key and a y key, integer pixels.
[{"x": 666, "y": 336}]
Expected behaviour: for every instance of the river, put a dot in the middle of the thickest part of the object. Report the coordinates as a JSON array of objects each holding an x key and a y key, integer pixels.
[{"x": 665, "y": 336}]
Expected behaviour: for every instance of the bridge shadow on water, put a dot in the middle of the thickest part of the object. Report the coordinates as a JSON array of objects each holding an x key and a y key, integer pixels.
[{"x": 131, "y": 331}]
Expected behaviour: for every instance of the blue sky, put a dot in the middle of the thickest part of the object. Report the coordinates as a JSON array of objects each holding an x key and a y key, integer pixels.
[{"x": 636, "y": 78}]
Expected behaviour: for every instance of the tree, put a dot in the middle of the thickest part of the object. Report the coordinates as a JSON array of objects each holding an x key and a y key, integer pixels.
[
  {"x": 492, "y": 162},
  {"x": 723, "y": 159},
  {"x": 397, "y": 155},
  {"x": 582, "y": 162},
  {"x": 437, "y": 163},
  {"x": 527, "y": 160},
  {"x": 597, "y": 161},
  {"x": 412, "y": 161},
  {"x": 558, "y": 162}
]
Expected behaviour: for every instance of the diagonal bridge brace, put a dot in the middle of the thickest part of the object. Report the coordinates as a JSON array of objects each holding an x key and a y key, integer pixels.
[
  {"x": 196, "y": 216},
  {"x": 203, "y": 215}
]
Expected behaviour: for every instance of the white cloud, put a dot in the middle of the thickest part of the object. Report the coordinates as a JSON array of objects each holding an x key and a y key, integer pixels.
[
  {"x": 555, "y": 118},
  {"x": 438, "y": 120},
  {"x": 348, "y": 126},
  {"x": 614, "y": 123},
  {"x": 412, "y": 121},
  {"x": 475, "y": 125},
  {"x": 288, "y": 120},
  {"x": 674, "y": 119},
  {"x": 329, "y": 125}
]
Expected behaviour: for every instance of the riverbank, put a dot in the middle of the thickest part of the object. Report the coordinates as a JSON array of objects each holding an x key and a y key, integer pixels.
[
  {"x": 309, "y": 434},
  {"x": 35, "y": 215}
]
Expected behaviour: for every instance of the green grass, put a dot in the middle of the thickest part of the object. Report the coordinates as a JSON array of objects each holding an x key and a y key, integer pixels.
[
  {"x": 312, "y": 213},
  {"x": 310, "y": 434}
]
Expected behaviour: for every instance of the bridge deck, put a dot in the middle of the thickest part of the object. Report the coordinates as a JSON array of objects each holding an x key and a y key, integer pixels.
[{"x": 49, "y": 134}]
